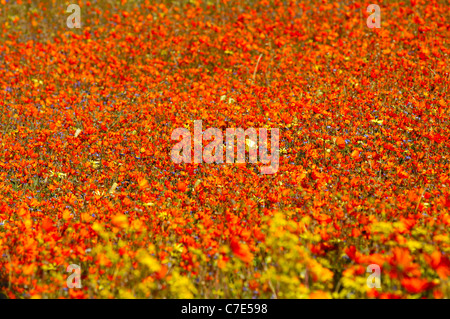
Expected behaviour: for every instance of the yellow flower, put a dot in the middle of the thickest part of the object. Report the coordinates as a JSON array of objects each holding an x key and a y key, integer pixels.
[{"x": 147, "y": 260}]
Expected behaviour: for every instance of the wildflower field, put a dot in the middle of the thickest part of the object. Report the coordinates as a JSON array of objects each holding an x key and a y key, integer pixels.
[{"x": 87, "y": 178}]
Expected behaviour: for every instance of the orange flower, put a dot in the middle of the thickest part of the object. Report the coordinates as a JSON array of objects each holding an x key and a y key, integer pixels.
[
  {"x": 439, "y": 263},
  {"x": 319, "y": 295},
  {"x": 241, "y": 251},
  {"x": 403, "y": 264},
  {"x": 355, "y": 154},
  {"x": 120, "y": 220},
  {"x": 47, "y": 225},
  {"x": 143, "y": 183},
  {"x": 181, "y": 186},
  {"x": 340, "y": 142},
  {"x": 416, "y": 285}
]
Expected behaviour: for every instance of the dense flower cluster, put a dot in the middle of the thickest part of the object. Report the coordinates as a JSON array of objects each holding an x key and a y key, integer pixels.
[{"x": 86, "y": 175}]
